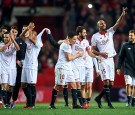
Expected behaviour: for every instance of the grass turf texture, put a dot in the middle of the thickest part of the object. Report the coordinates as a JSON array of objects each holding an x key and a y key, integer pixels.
[{"x": 40, "y": 109}]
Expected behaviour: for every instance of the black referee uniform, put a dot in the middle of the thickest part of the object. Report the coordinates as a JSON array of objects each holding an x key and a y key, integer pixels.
[{"x": 20, "y": 55}]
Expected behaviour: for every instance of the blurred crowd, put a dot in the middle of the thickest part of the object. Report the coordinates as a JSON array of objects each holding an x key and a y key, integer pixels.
[{"x": 77, "y": 13}]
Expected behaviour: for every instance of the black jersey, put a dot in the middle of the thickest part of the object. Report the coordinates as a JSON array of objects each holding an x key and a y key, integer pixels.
[{"x": 127, "y": 55}]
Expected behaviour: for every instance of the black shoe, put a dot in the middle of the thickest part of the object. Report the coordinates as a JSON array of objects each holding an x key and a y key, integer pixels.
[
  {"x": 110, "y": 107},
  {"x": 98, "y": 102},
  {"x": 133, "y": 102},
  {"x": 51, "y": 107},
  {"x": 66, "y": 105},
  {"x": 76, "y": 107}
]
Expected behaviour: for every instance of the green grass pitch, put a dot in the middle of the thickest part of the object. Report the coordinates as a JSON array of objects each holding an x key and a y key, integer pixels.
[{"x": 42, "y": 109}]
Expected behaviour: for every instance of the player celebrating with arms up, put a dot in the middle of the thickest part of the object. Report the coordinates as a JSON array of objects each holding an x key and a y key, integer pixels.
[
  {"x": 29, "y": 71},
  {"x": 103, "y": 41}
]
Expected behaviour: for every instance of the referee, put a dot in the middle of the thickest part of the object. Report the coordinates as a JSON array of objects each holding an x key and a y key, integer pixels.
[{"x": 20, "y": 56}]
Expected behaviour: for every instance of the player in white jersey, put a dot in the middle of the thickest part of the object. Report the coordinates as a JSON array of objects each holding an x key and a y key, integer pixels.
[
  {"x": 103, "y": 41},
  {"x": 8, "y": 76},
  {"x": 89, "y": 74},
  {"x": 78, "y": 64},
  {"x": 3, "y": 29},
  {"x": 30, "y": 66},
  {"x": 64, "y": 71}
]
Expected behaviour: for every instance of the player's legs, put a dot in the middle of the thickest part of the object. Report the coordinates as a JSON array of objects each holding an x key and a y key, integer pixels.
[
  {"x": 107, "y": 74},
  {"x": 65, "y": 94},
  {"x": 17, "y": 84},
  {"x": 33, "y": 92},
  {"x": 89, "y": 91},
  {"x": 60, "y": 80},
  {"x": 4, "y": 93},
  {"x": 9, "y": 93},
  {"x": 133, "y": 96},
  {"x": 11, "y": 84},
  {"x": 4, "y": 80},
  {"x": 54, "y": 96},
  {"x": 89, "y": 81},
  {"x": 31, "y": 75},
  {"x": 128, "y": 81}
]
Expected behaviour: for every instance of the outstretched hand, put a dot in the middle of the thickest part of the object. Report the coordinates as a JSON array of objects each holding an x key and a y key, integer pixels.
[
  {"x": 47, "y": 31},
  {"x": 124, "y": 11}
]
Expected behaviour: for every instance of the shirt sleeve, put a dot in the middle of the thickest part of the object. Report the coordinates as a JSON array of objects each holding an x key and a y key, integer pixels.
[
  {"x": 66, "y": 48},
  {"x": 39, "y": 39},
  {"x": 53, "y": 42},
  {"x": 87, "y": 45},
  {"x": 121, "y": 57},
  {"x": 93, "y": 41},
  {"x": 110, "y": 30}
]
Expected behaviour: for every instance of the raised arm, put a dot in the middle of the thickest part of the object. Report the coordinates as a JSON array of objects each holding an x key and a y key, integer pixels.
[
  {"x": 5, "y": 46},
  {"x": 22, "y": 35},
  {"x": 13, "y": 41},
  {"x": 51, "y": 39},
  {"x": 120, "y": 19}
]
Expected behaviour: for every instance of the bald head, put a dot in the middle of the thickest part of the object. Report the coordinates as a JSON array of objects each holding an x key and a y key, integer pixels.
[{"x": 101, "y": 24}]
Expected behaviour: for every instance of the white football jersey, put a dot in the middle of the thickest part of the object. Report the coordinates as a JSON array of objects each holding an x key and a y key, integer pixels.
[
  {"x": 1, "y": 44},
  {"x": 80, "y": 46},
  {"x": 32, "y": 52},
  {"x": 8, "y": 57},
  {"x": 90, "y": 62},
  {"x": 62, "y": 60},
  {"x": 104, "y": 43}
]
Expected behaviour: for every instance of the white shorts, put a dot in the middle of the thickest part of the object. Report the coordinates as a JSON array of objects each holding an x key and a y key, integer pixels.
[
  {"x": 106, "y": 67},
  {"x": 76, "y": 74},
  {"x": 62, "y": 76},
  {"x": 0, "y": 74},
  {"x": 129, "y": 80},
  {"x": 9, "y": 76},
  {"x": 89, "y": 74},
  {"x": 0, "y": 80},
  {"x": 79, "y": 71},
  {"x": 29, "y": 76}
]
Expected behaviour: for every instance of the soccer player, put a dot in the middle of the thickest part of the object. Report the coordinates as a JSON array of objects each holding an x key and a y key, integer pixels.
[
  {"x": 78, "y": 64},
  {"x": 8, "y": 69},
  {"x": 20, "y": 55},
  {"x": 103, "y": 41},
  {"x": 30, "y": 65},
  {"x": 127, "y": 56},
  {"x": 64, "y": 71},
  {"x": 57, "y": 45},
  {"x": 3, "y": 30}
]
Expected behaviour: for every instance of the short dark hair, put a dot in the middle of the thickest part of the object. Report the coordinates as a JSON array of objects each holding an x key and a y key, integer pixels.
[
  {"x": 25, "y": 25},
  {"x": 72, "y": 34},
  {"x": 132, "y": 31},
  {"x": 3, "y": 27},
  {"x": 14, "y": 27},
  {"x": 80, "y": 29}
]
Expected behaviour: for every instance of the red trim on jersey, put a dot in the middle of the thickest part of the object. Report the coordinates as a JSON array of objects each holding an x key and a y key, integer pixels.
[
  {"x": 103, "y": 32},
  {"x": 87, "y": 48},
  {"x": 79, "y": 39}
]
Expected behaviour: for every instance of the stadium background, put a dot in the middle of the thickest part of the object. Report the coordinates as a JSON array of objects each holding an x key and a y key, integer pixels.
[{"x": 62, "y": 16}]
